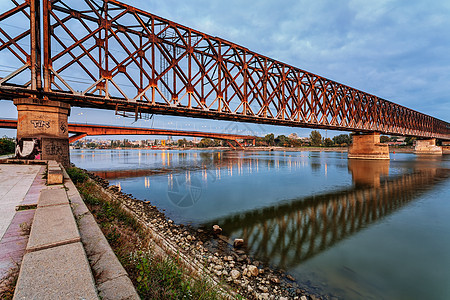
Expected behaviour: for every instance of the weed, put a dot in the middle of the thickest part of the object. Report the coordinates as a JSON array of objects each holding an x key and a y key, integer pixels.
[
  {"x": 8, "y": 283},
  {"x": 26, "y": 228},
  {"x": 77, "y": 175}
]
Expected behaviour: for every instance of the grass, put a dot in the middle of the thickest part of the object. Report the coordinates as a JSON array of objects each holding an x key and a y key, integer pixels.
[{"x": 154, "y": 277}]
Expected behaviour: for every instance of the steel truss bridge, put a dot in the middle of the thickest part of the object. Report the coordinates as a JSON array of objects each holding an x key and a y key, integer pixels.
[
  {"x": 289, "y": 234},
  {"x": 109, "y": 55}
]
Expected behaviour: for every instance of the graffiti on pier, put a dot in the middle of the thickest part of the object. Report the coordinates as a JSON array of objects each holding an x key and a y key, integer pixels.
[
  {"x": 28, "y": 148},
  {"x": 40, "y": 124},
  {"x": 53, "y": 148},
  {"x": 63, "y": 127}
]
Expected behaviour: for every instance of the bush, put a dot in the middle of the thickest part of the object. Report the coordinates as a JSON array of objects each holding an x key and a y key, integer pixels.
[
  {"x": 77, "y": 175},
  {"x": 7, "y": 146}
]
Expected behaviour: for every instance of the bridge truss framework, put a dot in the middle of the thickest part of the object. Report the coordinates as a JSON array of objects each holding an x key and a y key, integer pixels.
[{"x": 110, "y": 55}]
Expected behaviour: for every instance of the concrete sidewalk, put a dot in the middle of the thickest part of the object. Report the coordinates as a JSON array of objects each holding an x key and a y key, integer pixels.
[
  {"x": 15, "y": 181},
  {"x": 64, "y": 255},
  {"x": 20, "y": 186}
]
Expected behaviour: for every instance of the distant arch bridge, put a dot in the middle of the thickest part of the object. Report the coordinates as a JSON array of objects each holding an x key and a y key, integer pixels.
[{"x": 83, "y": 130}]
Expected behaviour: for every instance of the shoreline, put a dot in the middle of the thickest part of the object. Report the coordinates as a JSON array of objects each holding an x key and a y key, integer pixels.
[
  {"x": 205, "y": 251},
  {"x": 263, "y": 148}
]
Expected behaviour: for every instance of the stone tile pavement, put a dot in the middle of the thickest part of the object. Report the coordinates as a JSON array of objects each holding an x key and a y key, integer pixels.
[{"x": 15, "y": 181}]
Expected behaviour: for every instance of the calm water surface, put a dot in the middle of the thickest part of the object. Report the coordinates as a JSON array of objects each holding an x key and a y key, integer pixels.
[{"x": 353, "y": 229}]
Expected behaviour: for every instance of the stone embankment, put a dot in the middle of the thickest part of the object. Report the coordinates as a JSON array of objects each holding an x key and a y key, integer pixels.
[
  {"x": 67, "y": 256},
  {"x": 207, "y": 253}
]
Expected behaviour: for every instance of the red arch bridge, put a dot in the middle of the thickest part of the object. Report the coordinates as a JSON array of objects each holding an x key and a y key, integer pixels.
[{"x": 82, "y": 130}]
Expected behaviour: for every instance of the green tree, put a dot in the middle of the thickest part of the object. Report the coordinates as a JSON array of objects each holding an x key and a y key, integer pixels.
[
  {"x": 282, "y": 141},
  {"x": 409, "y": 141},
  {"x": 7, "y": 146},
  {"x": 269, "y": 139},
  {"x": 384, "y": 139},
  {"x": 205, "y": 142},
  {"x": 328, "y": 142},
  {"x": 342, "y": 140},
  {"x": 182, "y": 142},
  {"x": 316, "y": 138}
]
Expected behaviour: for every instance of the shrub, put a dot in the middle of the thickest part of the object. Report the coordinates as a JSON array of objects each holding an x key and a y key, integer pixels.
[{"x": 77, "y": 175}]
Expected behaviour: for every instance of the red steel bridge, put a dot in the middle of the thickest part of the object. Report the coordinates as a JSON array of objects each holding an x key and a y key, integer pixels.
[
  {"x": 109, "y": 55},
  {"x": 83, "y": 130}
]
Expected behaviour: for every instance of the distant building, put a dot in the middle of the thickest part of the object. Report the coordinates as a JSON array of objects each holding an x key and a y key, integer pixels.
[{"x": 293, "y": 136}]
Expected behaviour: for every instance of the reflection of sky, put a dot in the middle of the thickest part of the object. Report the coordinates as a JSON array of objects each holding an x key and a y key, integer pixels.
[
  {"x": 220, "y": 183},
  {"x": 198, "y": 186}
]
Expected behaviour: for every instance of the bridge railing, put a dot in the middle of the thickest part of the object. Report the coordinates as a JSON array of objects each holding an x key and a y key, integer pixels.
[{"x": 109, "y": 54}]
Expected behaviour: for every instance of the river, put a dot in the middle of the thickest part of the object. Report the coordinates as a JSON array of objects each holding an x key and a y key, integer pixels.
[{"x": 348, "y": 228}]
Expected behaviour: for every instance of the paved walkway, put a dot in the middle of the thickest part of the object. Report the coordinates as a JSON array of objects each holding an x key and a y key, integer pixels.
[
  {"x": 15, "y": 181},
  {"x": 56, "y": 257}
]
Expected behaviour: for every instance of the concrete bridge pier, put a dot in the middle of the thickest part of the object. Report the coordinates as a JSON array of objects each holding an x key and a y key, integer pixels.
[
  {"x": 427, "y": 147},
  {"x": 368, "y": 146},
  {"x": 42, "y": 130}
]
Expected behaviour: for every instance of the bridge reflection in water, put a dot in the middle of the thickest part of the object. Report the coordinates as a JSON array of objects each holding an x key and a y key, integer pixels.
[{"x": 289, "y": 234}]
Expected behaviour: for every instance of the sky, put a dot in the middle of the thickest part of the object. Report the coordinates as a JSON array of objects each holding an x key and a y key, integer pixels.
[{"x": 396, "y": 50}]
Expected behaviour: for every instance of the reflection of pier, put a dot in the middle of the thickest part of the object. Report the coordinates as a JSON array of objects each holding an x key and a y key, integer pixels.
[{"x": 289, "y": 234}]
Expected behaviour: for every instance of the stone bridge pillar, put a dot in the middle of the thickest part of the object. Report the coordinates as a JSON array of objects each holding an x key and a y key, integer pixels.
[
  {"x": 427, "y": 147},
  {"x": 42, "y": 130},
  {"x": 368, "y": 146}
]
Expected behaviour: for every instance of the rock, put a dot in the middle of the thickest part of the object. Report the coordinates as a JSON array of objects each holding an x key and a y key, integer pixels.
[
  {"x": 303, "y": 298},
  {"x": 217, "y": 229},
  {"x": 189, "y": 238},
  {"x": 253, "y": 270},
  {"x": 261, "y": 271},
  {"x": 264, "y": 296},
  {"x": 218, "y": 273},
  {"x": 263, "y": 288},
  {"x": 241, "y": 258},
  {"x": 283, "y": 298},
  {"x": 275, "y": 280},
  {"x": 238, "y": 243},
  {"x": 218, "y": 267},
  {"x": 235, "y": 274},
  {"x": 290, "y": 277},
  {"x": 228, "y": 258}
]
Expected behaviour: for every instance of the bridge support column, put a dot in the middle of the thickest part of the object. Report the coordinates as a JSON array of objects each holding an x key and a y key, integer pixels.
[
  {"x": 368, "y": 146},
  {"x": 42, "y": 130},
  {"x": 427, "y": 147}
]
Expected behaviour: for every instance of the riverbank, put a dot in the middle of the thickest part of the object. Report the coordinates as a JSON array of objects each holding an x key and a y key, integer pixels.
[{"x": 199, "y": 252}]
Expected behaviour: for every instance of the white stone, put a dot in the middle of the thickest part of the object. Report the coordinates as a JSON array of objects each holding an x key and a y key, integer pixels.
[
  {"x": 217, "y": 229},
  {"x": 235, "y": 274},
  {"x": 238, "y": 243},
  {"x": 253, "y": 270}
]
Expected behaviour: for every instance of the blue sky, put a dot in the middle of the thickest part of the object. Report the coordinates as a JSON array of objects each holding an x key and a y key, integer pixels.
[{"x": 397, "y": 50}]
